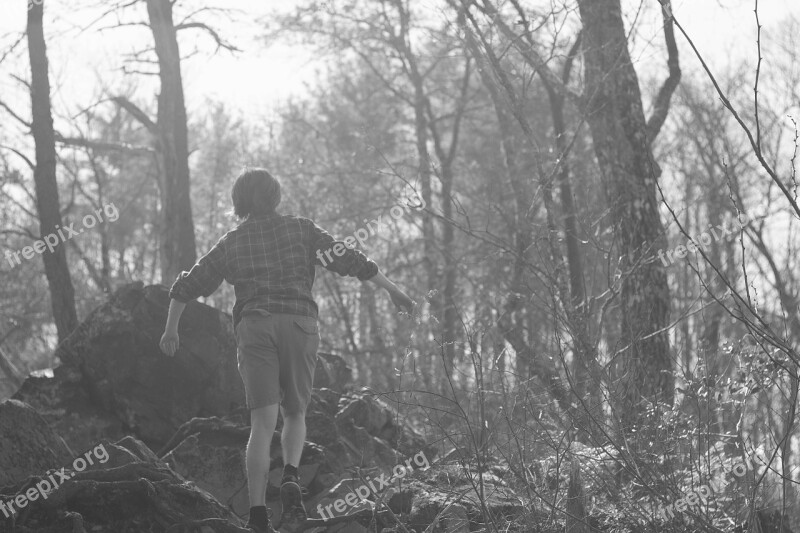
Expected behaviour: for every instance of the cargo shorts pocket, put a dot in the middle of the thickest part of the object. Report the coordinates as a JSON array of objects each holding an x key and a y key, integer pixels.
[{"x": 307, "y": 325}]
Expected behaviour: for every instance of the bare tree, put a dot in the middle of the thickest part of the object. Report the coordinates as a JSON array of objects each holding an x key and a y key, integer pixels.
[
  {"x": 62, "y": 294},
  {"x": 386, "y": 28},
  {"x": 169, "y": 131},
  {"x": 178, "y": 249},
  {"x": 622, "y": 141}
]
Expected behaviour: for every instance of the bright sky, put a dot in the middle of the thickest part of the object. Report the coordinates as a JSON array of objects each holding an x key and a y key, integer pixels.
[{"x": 253, "y": 81}]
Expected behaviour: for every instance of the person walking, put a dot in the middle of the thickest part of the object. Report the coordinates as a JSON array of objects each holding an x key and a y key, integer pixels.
[{"x": 270, "y": 260}]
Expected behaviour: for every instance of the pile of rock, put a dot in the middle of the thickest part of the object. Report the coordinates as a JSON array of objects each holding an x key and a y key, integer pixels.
[{"x": 115, "y": 388}]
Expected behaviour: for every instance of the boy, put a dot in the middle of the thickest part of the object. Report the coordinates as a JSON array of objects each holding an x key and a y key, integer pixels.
[{"x": 269, "y": 258}]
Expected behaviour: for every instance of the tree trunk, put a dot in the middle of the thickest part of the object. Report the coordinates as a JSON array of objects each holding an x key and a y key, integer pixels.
[
  {"x": 586, "y": 381},
  {"x": 622, "y": 147},
  {"x": 178, "y": 250},
  {"x": 428, "y": 232},
  {"x": 576, "y": 521},
  {"x": 62, "y": 294}
]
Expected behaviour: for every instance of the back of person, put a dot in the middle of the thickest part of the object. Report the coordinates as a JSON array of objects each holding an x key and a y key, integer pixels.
[
  {"x": 270, "y": 263},
  {"x": 270, "y": 259}
]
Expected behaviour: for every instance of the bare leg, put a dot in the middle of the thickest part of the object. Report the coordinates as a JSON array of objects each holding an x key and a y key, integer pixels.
[
  {"x": 293, "y": 437},
  {"x": 262, "y": 427}
]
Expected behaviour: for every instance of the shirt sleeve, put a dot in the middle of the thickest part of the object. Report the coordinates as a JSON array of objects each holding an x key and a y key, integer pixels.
[
  {"x": 337, "y": 257},
  {"x": 204, "y": 278}
]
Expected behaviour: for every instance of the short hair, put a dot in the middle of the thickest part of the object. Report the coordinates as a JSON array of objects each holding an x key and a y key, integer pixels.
[{"x": 255, "y": 192}]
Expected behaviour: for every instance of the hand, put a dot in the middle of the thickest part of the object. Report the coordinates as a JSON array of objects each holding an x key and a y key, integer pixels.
[
  {"x": 401, "y": 300},
  {"x": 169, "y": 343}
]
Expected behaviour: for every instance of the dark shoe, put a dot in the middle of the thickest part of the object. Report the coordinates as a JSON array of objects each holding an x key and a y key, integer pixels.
[
  {"x": 293, "y": 513},
  {"x": 259, "y": 529}
]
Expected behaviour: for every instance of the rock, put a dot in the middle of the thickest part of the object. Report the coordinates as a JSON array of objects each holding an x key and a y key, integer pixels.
[
  {"x": 454, "y": 519},
  {"x": 321, "y": 426},
  {"x": 430, "y": 492},
  {"x": 113, "y": 379},
  {"x": 327, "y": 399},
  {"x": 69, "y": 408},
  {"x": 116, "y": 348},
  {"x": 331, "y": 372},
  {"x": 351, "y": 527},
  {"x": 371, "y": 414},
  {"x": 370, "y": 451},
  {"x": 388, "y": 428},
  {"x": 10, "y": 377},
  {"x": 211, "y": 452},
  {"x": 125, "y": 493},
  {"x": 114, "y": 387},
  {"x": 28, "y": 445}
]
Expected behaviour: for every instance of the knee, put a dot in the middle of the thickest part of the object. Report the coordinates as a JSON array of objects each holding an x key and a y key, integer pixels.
[
  {"x": 264, "y": 417},
  {"x": 296, "y": 416}
]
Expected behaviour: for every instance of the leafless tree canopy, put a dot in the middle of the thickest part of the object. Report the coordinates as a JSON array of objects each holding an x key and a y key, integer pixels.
[{"x": 595, "y": 211}]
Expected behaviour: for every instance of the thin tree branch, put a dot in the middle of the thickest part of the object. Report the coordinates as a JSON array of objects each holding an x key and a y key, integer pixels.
[
  {"x": 661, "y": 107},
  {"x": 104, "y": 146},
  {"x": 13, "y": 114},
  {"x": 20, "y": 154},
  {"x": 214, "y": 35},
  {"x": 530, "y": 55},
  {"x": 137, "y": 113}
]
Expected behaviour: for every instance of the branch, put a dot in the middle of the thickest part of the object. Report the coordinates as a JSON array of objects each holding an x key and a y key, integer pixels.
[
  {"x": 661, "y": 107},
  {"x": 571, "y": 55},
  {"x": 137, "y": 113},
  {"x": 530, "y": 55},
  {"x": 13, "y": 114},
  {"x": 13, "y": 47},
  {"x": 95, "y": 275},
  {"x": 462, "y": 103},
  {"x": 735, "y": 114},
  {"x": 23, "y": 156},
  {"x": 214, "y": 35},
  {"x": 18, "y": 182},
  {"x": 103, "y": 146},
  {"x": 22, "y": 232}
]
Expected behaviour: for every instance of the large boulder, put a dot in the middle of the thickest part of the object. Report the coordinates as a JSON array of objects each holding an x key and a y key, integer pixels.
[
  {"x": 211, "y": 451},
  {"x": 116, "y": 349},
  {"x": 365, "y": 413},
  {"x": 70, "y": 408},
  {"x": 114, "y": 380},
  {"x": 27, "y": 443},
  {"x": 126, "y": 488}
]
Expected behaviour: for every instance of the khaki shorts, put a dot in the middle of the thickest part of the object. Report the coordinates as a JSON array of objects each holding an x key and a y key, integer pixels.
[{"x": 277, "y": 355}]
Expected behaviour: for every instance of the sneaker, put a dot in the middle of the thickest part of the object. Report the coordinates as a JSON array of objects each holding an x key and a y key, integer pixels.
[
  {"x": 257, "y": 529},
  {"x": 293, "y": 513}
]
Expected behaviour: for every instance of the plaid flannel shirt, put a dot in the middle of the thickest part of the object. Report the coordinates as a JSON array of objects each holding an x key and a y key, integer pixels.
[{"x": 270, "y": 262}]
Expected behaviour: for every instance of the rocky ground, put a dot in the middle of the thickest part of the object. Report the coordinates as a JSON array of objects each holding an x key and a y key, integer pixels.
[{"x": 172, "y": 432}]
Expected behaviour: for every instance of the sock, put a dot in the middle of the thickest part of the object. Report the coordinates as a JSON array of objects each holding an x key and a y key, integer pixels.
[
  {"x": 289, "y": 470},
  {"x": 258, "y": 516}
]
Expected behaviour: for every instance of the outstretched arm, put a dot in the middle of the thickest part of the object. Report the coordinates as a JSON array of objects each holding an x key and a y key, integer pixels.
[
  {"x": 202, "y": 280},
  {"x": 399, "y": 298},
  {"x": 170, "y": 341},
  {"x": 337, "y": 257}
]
